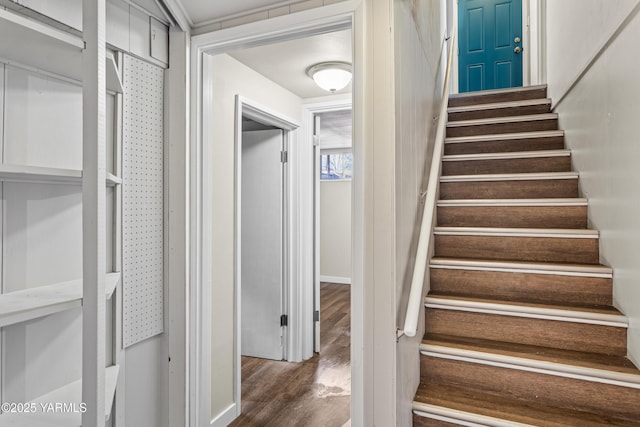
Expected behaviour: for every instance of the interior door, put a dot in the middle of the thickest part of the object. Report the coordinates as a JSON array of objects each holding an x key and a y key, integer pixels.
[
  {"x": 261, "y": 232},
  {"x": 316, "y": 239},
  {"x": 489, "y": 44}
]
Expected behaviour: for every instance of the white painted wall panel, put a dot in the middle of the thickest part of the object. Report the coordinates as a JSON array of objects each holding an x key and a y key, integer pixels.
[
  {"x": 118, "y": 24},
  {"x": 575, "y": 31},
  {"x": 146, "y": 384},
  {"x": 139, "y": 42},
  {"x": 419, "y": 31},
  {"x": 143, "y": 201},
  {"x": 335, "y": 229},
  {"x": 43, "y": 121},
  {"x": 42, "y": 231},
  {"x": 600, "y": 118},
  {"x": 230, "y": 78},
  {"x": 68, "y": 12}
]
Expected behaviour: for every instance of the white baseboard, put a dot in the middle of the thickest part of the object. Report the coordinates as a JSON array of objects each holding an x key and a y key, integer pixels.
[
  {"x": 336, "y": 279},
  {"x": 225, "y": 417}
]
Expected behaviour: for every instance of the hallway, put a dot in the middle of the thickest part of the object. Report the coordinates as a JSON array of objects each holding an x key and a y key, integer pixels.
[{"x": 313, "y": 393}]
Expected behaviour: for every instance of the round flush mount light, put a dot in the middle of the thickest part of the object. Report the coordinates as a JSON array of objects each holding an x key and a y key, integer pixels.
[{"x": 331, "y": 76}]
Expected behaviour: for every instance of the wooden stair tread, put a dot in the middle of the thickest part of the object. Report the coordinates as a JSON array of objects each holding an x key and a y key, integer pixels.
[
  {"x": 507, "y": 155},
  {"x": 606, "y": 310},
  {"x": 537, "y": 267},
  {"x": 603, "y": 362},
  {"x": 498, "y": 105},
  {"x": 498, "y": 95},
  {"x": 504, "y": 136},
  {"x": 513, "y": 202},
  {"x": 511, "y": 177},
  {"x": 516, "y": 232},
  {"x": 502, "y": 120},
  {"x": 503, "y": 407}
]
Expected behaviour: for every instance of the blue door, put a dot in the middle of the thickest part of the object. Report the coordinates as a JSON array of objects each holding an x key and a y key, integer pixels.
[{"x": 490, "y": 44}]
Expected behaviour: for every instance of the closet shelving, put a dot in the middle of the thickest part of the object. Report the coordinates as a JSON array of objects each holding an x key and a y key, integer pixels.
[
  {"x": 69, "y": 393},
  {"x": 44, "y": 175},
  {"x": 43, "y": 48},
  {"x": 32, "y": 45},
  {"x": 20, "y": 306}
]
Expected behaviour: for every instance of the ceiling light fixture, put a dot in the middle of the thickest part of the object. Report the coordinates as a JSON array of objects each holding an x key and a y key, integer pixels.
[{"x": 331, "y": 76}]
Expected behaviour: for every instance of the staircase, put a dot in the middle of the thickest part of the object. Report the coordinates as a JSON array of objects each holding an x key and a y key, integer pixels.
[{"x": 520, "y": 327}]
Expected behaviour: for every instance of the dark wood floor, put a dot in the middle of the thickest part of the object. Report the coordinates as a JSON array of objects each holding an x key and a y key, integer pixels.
[{"x": 314, "y": 393}]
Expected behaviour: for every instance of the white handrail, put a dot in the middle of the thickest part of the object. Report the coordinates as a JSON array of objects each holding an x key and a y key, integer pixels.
[{"x": 426, "y": 228}]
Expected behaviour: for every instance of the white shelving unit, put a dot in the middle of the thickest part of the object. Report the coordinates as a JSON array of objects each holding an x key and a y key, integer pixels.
[
  {"x": 20, "y": 306},
  {"x": 34, "y": 46},
  {"x": 70, "y": 394},
  {"x": 47, "y": 49},
  {"x": 42, "y": 175}
]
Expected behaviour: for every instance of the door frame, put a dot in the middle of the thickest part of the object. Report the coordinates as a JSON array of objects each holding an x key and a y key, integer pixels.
[
  {"x": 308, "y": 158},
  {"x": 259, "y": 113},
  {"x": 532, "y": 43},
  {"x": 330, "y": 18}
]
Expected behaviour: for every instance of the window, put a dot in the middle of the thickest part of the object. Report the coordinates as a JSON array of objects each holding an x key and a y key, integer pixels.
[{"x": 336, "y": 165}]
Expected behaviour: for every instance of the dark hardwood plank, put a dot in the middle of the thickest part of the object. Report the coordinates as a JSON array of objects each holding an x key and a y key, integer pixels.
[
  {"x": 316, "y": 392},
  {"x": 506, "y": 145},
  {"x": 522, "y": 165},
  {"x": 505, "y": 407},
  {"x": 533, "y": 189},
  {"x": 495, "y": 128},
  {"x": 459, "y": 100},
  {"x": 609, "y": 340},
  {"x": 510, "y": 286},
  {"x": 537, "y": 249},
  {"x": 555, "y": 391}
]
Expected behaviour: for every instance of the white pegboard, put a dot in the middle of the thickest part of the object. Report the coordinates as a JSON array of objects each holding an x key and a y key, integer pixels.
[{"x": 142, "y": 218}]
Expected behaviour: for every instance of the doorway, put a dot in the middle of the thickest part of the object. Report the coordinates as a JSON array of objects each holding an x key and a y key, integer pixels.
[
  {"x": 263, "y": 242},
  {"x": 490, "y": 44},
  {"x": 333, "y": 172}
]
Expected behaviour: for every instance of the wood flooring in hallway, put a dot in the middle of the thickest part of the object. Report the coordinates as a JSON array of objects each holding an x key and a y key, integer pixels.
[{"x": 313, "y": 393}]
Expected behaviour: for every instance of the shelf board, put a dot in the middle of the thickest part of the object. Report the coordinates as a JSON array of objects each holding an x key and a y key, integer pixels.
[
  {"x": 47, "y": 49},
  {"x": 44, "y": 175},
  {"x": 20, "y": 306},
  {"x": 70, "y": 394},
  {"x": 37, "y": 174}
]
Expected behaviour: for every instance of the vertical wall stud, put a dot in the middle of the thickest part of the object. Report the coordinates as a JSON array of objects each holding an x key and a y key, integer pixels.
[{"x": 93, "y": 212}]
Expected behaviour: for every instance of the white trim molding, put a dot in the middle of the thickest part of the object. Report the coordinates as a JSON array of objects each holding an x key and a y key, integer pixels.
[
  {"x": 336, "y": 279},
  {"x": 460, "y": 417}
]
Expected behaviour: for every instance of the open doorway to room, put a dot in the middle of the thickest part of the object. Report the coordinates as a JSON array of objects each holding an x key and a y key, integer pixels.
[
  {"x": 255, "y": 125},
  {"x": 310, "y": 384}
]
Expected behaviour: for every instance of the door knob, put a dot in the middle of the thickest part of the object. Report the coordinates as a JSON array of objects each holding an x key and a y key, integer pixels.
[
  {"x": 517, "y": 49},
  {"x": 517, "y": 40}
]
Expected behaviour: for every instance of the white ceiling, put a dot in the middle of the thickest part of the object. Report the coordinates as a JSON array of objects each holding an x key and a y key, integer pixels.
[
  {"x": 286, "y": 63},
  {"x": 202, "y": 11}
]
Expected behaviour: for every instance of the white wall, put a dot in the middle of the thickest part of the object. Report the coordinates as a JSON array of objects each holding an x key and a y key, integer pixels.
[
  {"x": 420, "y": 28},
  {"x": 146, "y": 383},
  {"x": 600, "y": 118},
  {"x": 335, "y": 231},
  {"x": 230, "y": 78},
  {"x": 576, "y": 29}
]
